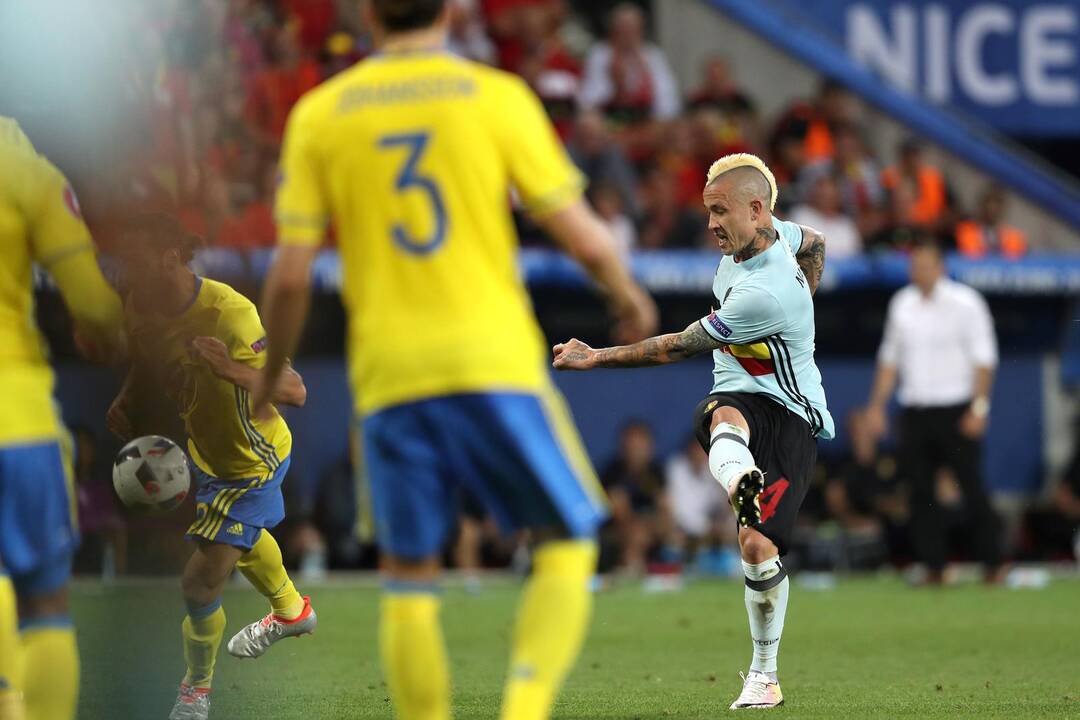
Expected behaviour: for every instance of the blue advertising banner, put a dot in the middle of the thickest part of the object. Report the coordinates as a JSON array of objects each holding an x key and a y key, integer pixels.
[
  {"x": 692, "y": 271},
  {"x": 1013, "y": 64}
]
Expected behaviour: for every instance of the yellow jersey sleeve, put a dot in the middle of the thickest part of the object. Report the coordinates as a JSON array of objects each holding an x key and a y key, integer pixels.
[
  {"x": 240, "y": 328},
  {"x": 540, "y": 169},
  {"x": 61, "y": 244},
  {"x": 300, "y": 206}
]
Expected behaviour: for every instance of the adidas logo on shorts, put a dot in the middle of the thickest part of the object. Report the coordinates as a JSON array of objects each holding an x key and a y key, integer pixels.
[{"x": 235, "y": 529}]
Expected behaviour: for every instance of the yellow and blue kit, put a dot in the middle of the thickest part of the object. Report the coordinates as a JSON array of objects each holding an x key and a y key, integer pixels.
[
  {"x": 240, "y": 460},
  {"x": 40, "y": 223},
  {"x": 413, "y": 156}
]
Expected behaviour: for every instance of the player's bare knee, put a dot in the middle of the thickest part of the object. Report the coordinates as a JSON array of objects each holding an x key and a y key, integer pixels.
[
  {"x": 755, "y": 547},
  {"x": 420, "y": 570},
  {"x": 44, "y": 604},
  {"x": 728, "y": 414}
]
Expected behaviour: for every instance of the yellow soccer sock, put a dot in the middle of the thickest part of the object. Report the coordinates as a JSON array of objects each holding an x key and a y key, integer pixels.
[
  {"x": 551, "y": 623},
  {"x": 10, "y": 655},
  {"x": 202, "y": 630},
  {"x": 413, "y": 655},
  {"x": 50, "y": 669},
  {"x": 265, "y": 570}
]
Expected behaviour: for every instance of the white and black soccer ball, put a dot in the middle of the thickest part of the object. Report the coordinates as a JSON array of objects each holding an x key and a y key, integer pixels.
[{"x": 151, "y": 474}]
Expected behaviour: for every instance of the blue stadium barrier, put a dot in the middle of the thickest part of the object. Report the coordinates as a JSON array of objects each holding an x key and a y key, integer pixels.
[
  {"x": 691, "y": 271},
  {"x": 601, "y": 401},
  {"x": 783, "y": 25}
]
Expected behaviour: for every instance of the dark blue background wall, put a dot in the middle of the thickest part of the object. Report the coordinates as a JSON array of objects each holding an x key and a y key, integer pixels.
[{"x": 602, "y": 400}]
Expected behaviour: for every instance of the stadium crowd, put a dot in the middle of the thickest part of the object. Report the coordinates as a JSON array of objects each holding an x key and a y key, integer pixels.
[{"x": 215, "y": 81}]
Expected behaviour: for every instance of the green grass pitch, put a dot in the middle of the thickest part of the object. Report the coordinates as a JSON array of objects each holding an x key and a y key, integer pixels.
[{"x": 868, "y": 648}]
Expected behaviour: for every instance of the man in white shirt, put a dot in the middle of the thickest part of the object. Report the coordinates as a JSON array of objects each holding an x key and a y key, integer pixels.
[
  {"x": 626, "y": 71},
  {"x": 823, "y": 211},
  {"x": 939, "y": 342},
  {"x": 698, "y": 503}
]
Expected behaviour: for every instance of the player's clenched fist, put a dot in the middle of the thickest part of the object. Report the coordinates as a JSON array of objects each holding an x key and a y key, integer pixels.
[{"x": 573, "y": 355}]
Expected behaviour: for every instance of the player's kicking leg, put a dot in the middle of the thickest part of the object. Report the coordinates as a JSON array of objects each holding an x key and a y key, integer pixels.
[
  {"x": 766, "y": 592},
  {"x": 290, "y": 614},
  {"x": 733, "y": 466}
]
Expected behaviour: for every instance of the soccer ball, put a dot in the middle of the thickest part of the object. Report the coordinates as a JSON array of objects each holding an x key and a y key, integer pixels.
[{"x": 151, "y": 475}]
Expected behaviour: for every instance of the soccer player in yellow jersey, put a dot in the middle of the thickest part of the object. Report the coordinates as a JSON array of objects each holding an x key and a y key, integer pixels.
[
  {"x": 413, "y": 155},
  {"x": 40, "y": 223},
  {"x": 204, "y": 344}
]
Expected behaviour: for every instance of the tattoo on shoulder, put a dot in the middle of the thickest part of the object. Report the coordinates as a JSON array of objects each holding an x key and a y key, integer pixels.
[{"x": 811, "y": 257}]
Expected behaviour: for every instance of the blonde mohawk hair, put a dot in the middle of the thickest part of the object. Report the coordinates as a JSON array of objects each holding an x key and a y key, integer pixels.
[{"x": 741, "y": 160}]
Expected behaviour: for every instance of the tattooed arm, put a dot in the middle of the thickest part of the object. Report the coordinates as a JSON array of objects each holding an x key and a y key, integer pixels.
[
  {"x": 576, "y": 355},
  {"x": 811, "y": 256}
]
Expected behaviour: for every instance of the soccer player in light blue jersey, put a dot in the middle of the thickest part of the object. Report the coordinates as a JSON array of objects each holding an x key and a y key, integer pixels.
[{"x": 767, "y": 406}]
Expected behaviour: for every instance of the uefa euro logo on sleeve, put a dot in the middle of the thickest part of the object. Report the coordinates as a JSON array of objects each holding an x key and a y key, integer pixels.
[{"x": 719, "y": 325}]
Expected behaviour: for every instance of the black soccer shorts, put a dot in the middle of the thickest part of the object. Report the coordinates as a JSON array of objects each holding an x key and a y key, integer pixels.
[{"x": 782, "y": 446}]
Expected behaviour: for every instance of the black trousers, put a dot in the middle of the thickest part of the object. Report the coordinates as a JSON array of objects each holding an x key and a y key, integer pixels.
[{"x": 930, "y": 439}]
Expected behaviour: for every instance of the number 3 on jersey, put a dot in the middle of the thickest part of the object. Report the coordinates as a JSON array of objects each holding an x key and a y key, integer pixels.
[{"x": 410, "y": 179}]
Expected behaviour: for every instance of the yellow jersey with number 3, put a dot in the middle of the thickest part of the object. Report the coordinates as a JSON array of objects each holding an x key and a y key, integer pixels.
[
  {"x": 40, "y": 223},
  {"x": 412, "y": 156}
]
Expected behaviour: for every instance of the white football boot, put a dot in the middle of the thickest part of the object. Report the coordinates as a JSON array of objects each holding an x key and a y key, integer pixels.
[
  {"x": 191, "y": 704},
  {"x": 256, "y": 638},
  {"x": 758, "y": 692}
]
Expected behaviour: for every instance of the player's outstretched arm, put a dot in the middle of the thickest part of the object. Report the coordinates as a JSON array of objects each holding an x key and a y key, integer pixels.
[
  {"x": 289, "y": 390},
  {"x": 285, "y": 302},
  {"x": 811, "y": 256},
  {"x": 673, "y": 347}
]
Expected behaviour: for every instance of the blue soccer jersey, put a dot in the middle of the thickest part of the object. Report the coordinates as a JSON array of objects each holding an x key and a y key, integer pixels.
[{"x": 765, "y": 318}]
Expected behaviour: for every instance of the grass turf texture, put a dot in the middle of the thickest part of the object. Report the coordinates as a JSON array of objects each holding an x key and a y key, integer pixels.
[{"x": 868, "y": 648}]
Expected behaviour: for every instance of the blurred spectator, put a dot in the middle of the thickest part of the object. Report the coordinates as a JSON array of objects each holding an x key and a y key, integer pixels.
[
  {"x": 700, "y": 514},
  {"x": 897, "y": 232},
  {"x": 168, "y": 171},
  {"x": 822, "y": 211},
  {"x": 719, "y": 90},
  {"x": 988, "y": 233},
  {"x": 682, "y": 156},
  {"x": 504, "y": 23},
  {"x": 313, "y": 19},
  {"x": 939, "y": 343},
  {"x": 635, "y": 486},
  {"x": 103, "y": 549},
  {"x": 930, "y": 199},
  {"x": 630, "y": 79},
  {"x": 608, "y": 205},
  {"x": 277, "y": 88},
  {"x": 668, "y": 224},
  {"x": 254, "y": 226},
  {"x": 858, "y": 179},
  {"x": 866, "y": 498},
  {"x": 246, "y": 24},
  {"x": 715, "y": 135},
  {"x": 468, "y": 37},
  {"x": 1054, "y": 530},
  {"x": 721, "y": 102},
  {"x": 593, "y": 150},
  {"x": 813, "y": 123},
  {"x": 470, "y": 539},
  {"x": 552, "y": 72}
]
